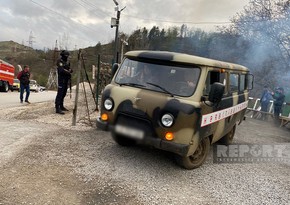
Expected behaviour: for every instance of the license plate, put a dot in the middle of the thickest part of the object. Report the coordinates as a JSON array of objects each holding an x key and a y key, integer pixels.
[{"x": 129, "y": 132}]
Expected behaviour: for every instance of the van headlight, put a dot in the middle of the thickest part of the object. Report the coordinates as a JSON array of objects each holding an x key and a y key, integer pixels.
[
  {"x": 108, "y": 104},
  {"x": 167, "y": 120}
]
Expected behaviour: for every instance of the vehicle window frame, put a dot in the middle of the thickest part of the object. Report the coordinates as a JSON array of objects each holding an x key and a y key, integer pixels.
[
  {"x": 176, "y": 65},
  {"x": 238, "y": 82},
  {"x": 224, "y": 81}
]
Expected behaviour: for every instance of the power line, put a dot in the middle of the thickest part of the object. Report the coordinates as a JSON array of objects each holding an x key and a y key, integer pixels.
[
  {"x": 95, "y": 7},
  {"x": 194, "y": 22},
  {"x": 92, "y": 6},
  {"x": 67, "y": 18},
  {"x": 180, "y": 22}
]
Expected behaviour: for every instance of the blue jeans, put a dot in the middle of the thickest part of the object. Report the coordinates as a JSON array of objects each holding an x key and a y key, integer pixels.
[{"x": 27, "y": 89}]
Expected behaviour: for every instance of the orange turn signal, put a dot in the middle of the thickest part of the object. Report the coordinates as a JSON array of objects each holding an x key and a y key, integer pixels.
[
  {"x": 222, "y": 70},
  {"x": 169, "y": 136},
  {"x": 104, "y": 117}
]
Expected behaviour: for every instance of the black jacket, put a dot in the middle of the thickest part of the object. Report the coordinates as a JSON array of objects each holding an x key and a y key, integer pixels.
[
  {"x": 23, "y": 77},
  {"x": 279, "y": 99},
  {"x": 63, "y": 70}
]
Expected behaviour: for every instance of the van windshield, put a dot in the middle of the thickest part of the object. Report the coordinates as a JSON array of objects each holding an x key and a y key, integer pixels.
[{"x": 167, "y": 78}]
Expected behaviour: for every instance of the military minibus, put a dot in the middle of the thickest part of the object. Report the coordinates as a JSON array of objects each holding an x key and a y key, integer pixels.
[{"x": 175, "y": 102}]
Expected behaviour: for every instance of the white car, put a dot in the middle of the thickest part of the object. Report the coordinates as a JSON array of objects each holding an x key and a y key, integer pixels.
[
  {"x": 41, "y": 88},
  {"x": 33, "y": 86}
]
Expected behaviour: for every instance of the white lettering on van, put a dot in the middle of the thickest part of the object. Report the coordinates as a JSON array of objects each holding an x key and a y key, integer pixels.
[{"x": 222, "y": 114}]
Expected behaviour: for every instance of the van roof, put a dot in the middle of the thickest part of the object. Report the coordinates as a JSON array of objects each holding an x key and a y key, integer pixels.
[{"x": 184, "y": 58}]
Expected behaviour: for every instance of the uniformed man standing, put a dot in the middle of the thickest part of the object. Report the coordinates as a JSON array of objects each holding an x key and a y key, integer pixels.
[
  {"x": 64, "y": 75},
  {"x": 279, "y": 99}
]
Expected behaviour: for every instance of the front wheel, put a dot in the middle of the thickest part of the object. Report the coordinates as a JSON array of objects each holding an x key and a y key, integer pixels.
[{"x": 198, "y": 157}]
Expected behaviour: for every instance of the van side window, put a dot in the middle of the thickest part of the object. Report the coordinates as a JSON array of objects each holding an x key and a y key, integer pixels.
[
  {"x": 212, "y": 77},
  {"x": 243, "y": 82},
  {"x": 234, "y": 82}
]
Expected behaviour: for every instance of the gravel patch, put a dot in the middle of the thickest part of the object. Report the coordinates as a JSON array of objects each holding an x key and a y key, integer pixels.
[{"x": 64, "y": 164}]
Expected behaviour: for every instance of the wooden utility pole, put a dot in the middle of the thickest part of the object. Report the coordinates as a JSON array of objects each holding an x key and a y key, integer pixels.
[{"x": 77, "y": 88}]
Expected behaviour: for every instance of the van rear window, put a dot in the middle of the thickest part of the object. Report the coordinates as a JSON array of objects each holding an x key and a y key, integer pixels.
[{"x": 234, "y": 82}]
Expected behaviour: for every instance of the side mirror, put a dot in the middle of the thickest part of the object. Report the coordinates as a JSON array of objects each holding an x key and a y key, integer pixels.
[
  {"x": 216, "y": 92},
  {"x": 114, "y": 68}
]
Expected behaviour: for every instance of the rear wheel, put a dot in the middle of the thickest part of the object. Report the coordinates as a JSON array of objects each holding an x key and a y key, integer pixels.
[
  {"x": 123, "y": 141},
  {"x": 228, "y": 138},
  {"x": 198, "y": 157},
  {"x": 5, "y": 87}
]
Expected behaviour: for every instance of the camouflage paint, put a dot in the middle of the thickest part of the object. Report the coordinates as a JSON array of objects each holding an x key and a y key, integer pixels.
[{"x": 149, "y": 106}]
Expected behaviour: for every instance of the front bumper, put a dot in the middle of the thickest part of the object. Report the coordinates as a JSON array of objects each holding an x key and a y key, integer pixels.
[
  {"x": 180, "y": 149},
  {"x": 103, "y": 125},
  {"x": 15, "y": 87}
]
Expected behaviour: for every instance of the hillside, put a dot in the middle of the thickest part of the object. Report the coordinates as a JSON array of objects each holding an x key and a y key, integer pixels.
[
  {"x": 10, "y": 49},
  {"x": 41, "y": 62}
]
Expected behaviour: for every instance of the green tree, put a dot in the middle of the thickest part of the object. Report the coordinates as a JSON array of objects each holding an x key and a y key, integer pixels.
[{"x": 154, "y": 38}]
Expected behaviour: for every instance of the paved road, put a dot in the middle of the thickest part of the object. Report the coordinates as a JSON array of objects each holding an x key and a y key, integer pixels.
[{"x": 11, "y": 99}]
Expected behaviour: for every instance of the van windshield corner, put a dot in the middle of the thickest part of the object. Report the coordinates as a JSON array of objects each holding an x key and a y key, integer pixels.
[{"x": 173, "y": 79}]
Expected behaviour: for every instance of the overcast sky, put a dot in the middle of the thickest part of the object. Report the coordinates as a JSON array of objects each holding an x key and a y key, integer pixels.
[{"x": 83, "y": 23}]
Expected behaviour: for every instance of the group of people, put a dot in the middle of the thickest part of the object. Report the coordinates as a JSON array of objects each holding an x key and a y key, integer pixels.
[
  {"x": 64, "y": 75},
  {"x": 278, "y": 97}
]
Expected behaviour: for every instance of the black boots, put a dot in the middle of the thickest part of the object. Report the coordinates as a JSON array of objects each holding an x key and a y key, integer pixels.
[
  {"x": 59, "y": 111},
  {"x": 62, "y": 108}
]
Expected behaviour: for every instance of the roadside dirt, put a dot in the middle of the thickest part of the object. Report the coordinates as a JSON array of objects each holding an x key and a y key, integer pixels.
[
  {"x": 42, "y": 169},
  {"x": 57, "y": 163}
]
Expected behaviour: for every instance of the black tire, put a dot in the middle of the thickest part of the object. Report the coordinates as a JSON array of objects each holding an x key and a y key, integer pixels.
[
  {"x": 197, "y": 158},
  {"x": 123, "y": 141},
  {"x": 5, "y": 87},
  {"x": 228, "y": 138}
]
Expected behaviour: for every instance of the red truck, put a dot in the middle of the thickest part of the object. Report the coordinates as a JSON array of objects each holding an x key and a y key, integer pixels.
[{"x": 6, "y": 76}]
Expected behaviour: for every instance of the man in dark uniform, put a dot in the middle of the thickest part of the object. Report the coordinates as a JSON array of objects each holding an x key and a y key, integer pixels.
[
  {"x": 64, "y": 75},
  {"x": 279, "y": 99}
]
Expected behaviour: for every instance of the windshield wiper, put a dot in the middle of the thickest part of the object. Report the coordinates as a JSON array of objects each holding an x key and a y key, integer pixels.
[
  {"x": 161, "y": 88},
  {"x": 132, "y": 84}
]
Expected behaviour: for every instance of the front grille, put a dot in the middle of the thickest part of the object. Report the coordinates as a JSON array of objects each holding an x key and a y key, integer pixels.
[
  {"x": 136, "y": 122},
  {"x": 127, "y": 107}
]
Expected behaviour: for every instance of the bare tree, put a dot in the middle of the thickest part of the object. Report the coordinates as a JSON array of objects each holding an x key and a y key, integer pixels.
[
  {"x": 266, "y": 25},
  {"x": 266, "y": 22}
]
